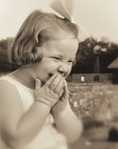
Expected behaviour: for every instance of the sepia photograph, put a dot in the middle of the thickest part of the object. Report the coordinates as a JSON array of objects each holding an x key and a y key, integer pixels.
[{"x": 58, "y": 74}]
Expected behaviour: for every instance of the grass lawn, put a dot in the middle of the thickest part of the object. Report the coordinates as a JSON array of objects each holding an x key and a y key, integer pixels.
[
  {"x": 95, "y": 138},
  {"x": 98, "y": 101}
]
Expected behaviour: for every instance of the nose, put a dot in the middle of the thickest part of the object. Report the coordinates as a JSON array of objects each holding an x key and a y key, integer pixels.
[{"x": 63, "y": 69}]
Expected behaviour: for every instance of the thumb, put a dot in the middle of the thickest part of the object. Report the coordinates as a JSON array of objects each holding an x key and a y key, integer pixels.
[{"x": 38, "y": 84}]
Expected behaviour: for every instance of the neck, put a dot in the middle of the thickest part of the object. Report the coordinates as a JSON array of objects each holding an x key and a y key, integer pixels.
[{"x": 23, "y": 75}]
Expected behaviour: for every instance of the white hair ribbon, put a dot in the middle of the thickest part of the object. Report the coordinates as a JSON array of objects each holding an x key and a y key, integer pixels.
[{"x": 66, "y": 9}]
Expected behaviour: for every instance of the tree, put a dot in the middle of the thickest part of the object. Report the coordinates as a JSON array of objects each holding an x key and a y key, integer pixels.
[
  {"x": 4, "y": 62},
  {"x": 86, "y": 57}
]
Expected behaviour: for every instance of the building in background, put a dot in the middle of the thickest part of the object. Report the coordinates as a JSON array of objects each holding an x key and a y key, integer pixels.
[{"x": 114, "y": 67}]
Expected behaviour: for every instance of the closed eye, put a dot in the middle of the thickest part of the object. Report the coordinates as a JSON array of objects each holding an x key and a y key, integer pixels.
[
  {"x": 72, "y": 62},
  {"x": 56, "y": 58}
]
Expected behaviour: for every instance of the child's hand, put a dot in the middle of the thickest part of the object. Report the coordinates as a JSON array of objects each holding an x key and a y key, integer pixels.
[
  {"x": 51, "y": 91},
  {"x": 62, "y": 102}
]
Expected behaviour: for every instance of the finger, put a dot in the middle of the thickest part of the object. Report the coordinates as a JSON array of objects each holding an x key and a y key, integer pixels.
[
  {"x": 55, "y": 82},
  {"x": 50, "y": 80},
  {"x": 64, "y": 98},
  {"x": 38, "y": 84},
  {"x": 65, "y": 90},
  {"x": 59, "y": 86},
  {"x": 61, "y": 93}
]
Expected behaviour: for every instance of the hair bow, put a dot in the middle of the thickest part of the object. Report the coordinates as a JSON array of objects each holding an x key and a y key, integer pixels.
[{"x": 66, "y": 9}]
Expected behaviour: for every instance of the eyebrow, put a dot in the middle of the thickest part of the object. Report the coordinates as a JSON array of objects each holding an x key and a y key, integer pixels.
[{"x": 61, "y": 56}]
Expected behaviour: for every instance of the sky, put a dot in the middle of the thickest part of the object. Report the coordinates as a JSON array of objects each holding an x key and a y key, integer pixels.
[{"x": 99, "y": 18}]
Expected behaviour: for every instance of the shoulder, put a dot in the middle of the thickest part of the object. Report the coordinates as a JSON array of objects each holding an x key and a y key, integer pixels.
[
  {"x": 8, "y": 91},
  {"x": 7, "y": 78},
  {"x": 10, "y": 100},
  {"x": 6, "y": 84},
  {"x": 15, "y": 94}
]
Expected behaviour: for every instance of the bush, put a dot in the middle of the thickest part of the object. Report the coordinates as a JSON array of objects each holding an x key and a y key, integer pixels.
[{"x": 90, "y": 122}]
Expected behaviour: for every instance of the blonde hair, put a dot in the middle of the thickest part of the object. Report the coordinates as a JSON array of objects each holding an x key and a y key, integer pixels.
[{"x": 38, "y": 28}]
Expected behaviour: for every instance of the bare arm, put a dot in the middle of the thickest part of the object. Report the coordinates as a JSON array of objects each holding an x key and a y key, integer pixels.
[
  {"x": 19, "y": 129},
  {"x": 66, "y": 121},
  {"x": 68, "y": 124}
]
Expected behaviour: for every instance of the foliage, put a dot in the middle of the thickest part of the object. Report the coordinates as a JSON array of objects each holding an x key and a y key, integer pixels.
[
  {"x": 85, "y": 56},
  {"x": 99, "y": 101},
  {"x": 5, "y": 66}
]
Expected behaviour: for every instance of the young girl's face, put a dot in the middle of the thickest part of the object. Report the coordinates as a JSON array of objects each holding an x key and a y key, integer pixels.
[{"x": 58, "y": 57}]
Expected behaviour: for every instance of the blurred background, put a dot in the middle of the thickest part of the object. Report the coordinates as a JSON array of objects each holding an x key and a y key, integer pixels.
[{"x": 93, "y": 82}]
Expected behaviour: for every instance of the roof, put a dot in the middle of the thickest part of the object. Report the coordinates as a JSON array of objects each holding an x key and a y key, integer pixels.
[{"x": 114, "y": 64}]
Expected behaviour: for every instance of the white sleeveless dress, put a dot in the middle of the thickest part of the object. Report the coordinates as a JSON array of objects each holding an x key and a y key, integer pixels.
[{"x": 49, "y": 137}]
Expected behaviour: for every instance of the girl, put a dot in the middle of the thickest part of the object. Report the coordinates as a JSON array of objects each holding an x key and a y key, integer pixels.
[{"x": 35, "y": 96}]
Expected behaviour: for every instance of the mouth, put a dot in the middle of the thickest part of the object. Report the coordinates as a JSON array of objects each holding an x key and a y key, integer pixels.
[
  {"x": 51, "y": 75},
  {"x": 48, "y": 77}
]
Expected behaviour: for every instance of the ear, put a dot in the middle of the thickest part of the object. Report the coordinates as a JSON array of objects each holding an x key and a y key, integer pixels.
[
  {"x": 38, "y": 84},
  {"x": 36, "y": 55}
]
